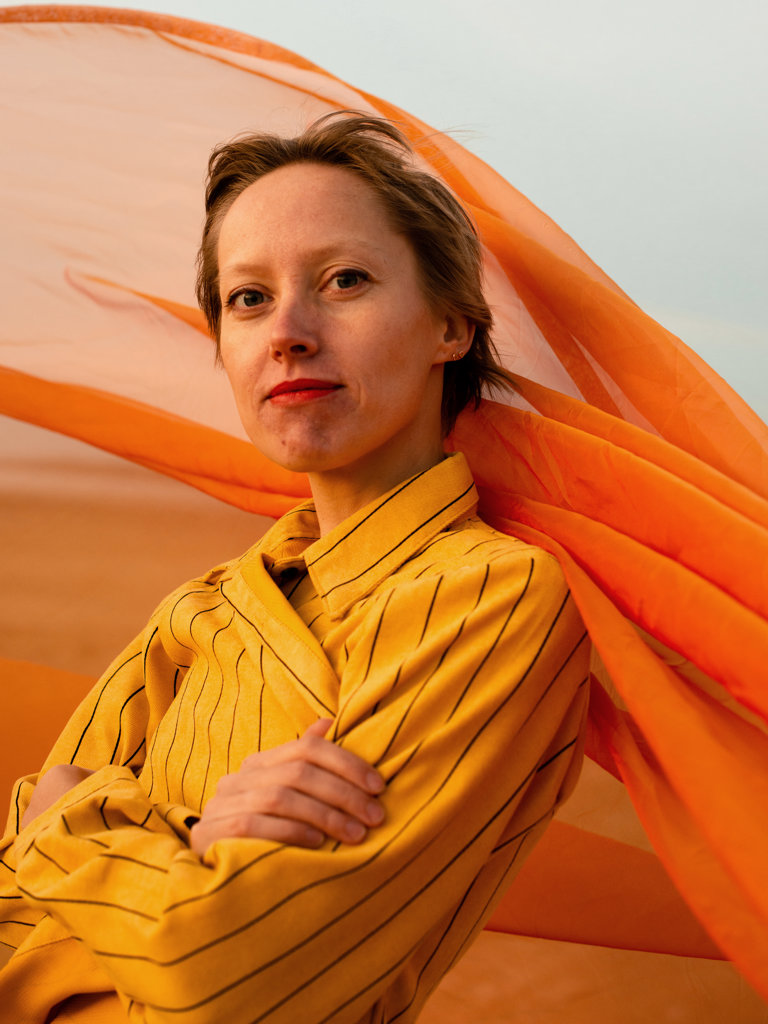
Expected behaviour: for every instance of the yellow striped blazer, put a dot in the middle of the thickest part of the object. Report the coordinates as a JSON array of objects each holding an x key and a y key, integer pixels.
[{"x": 450, "y": 656}]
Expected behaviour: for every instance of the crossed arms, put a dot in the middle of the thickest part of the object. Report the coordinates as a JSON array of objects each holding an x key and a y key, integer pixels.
[{"x": 266, "y": 904}]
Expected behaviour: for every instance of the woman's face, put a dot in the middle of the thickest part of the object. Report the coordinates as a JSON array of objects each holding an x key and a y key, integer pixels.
[{"x": 333, "y": 353}]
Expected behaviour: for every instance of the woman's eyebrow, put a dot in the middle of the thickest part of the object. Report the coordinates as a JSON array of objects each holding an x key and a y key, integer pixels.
[
  {"x": 343, "y": 249},
  {"x": 245, "y": 267}
]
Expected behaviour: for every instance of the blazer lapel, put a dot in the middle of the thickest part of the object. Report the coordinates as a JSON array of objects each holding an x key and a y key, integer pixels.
[{"x": 295, "y": 666}]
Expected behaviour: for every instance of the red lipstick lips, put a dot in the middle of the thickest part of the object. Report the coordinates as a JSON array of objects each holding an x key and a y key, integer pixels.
[{"x": 301, "y": 390}]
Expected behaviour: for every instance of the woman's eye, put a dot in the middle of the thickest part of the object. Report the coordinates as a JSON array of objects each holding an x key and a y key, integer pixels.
[
  {"x": 346, "y": 279},
  {"x": 246, "y": 299}
]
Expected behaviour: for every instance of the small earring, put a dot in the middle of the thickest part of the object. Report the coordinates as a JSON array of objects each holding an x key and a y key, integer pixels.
[{"x": 457, "y": 355}]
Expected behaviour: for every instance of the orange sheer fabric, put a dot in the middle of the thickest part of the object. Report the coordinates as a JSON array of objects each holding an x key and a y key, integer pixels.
[{"x": 620, "y": 450}]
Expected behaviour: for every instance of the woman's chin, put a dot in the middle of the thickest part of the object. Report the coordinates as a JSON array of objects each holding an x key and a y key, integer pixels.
[{"x": 296, "y": 458}]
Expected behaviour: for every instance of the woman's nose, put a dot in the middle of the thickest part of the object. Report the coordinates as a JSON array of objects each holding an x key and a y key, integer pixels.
[{"x": 294, "y": 330}]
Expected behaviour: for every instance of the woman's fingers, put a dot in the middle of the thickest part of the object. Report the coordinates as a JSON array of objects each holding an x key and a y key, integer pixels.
[
  {"x": 325, "y": 786},
  {"x": 301, "y": 791},
  {"x": 298, "y": 793},
  {"x": 283, "y": 814},
  {"x": 311, "y": 748},
  {"x": 319, "y": 728},
  {"x": 279, "y": 830}
]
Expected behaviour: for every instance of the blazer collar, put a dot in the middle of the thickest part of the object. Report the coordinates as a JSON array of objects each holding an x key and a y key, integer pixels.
[{"x": 351, "y": 560}]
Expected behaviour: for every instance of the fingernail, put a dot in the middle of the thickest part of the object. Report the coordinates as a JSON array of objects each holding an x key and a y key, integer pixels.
[
  {"x": 354, "y": 831},
  {"x": 374, "y": 782},
  {"x": 374, "y": 813}
]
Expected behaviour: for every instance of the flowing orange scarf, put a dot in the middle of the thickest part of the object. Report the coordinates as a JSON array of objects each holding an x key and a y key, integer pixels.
[{"x": 621, "y": 451}]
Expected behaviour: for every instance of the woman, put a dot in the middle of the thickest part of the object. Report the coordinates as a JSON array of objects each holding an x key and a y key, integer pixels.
[{"x": 292, "y": 797}]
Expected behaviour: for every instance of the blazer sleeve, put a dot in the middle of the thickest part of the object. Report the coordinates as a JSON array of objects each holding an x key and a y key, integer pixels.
[
  {"x": 466, "y": 691},
  {"x": 110, "y": 727}
]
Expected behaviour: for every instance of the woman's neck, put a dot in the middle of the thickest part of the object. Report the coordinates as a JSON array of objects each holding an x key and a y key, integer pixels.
[{"x": 338, "y": 494}]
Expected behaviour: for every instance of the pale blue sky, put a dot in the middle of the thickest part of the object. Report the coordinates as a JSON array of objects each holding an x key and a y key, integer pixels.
[{"x": 640, "y": 127}]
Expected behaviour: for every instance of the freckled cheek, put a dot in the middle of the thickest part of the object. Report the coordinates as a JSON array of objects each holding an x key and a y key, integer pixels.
[
  {"x": 244, "y": 373},
  {"x": 241, "y": 390},
  {"x": 401, "y": 371}
]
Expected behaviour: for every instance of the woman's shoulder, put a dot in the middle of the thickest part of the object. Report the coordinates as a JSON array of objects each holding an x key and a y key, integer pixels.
[
  {"x": 472, "y": 548},
  {"x": 471, "y": 569},
  {"x": 208, "y": 583},
  {"x": 474, "y": 542}
]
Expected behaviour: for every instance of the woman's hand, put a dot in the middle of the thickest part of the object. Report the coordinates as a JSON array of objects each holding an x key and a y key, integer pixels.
[
  {"x": 57, "y": 781},
  {"x": 298, "y": 793}
]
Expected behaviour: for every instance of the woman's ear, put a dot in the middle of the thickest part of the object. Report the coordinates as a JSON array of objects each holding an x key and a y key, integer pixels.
[{"x": 457, "y": 337}]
